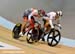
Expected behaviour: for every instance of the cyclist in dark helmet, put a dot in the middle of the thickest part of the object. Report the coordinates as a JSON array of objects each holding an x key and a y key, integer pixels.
[{"x": 28, "y": 16}]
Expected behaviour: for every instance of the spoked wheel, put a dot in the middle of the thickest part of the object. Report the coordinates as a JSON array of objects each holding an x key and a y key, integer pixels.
[
  {"x": 32, "y": 36},
  {"x": 16, "y": 31},
  {"x": 54, "y": 37}
]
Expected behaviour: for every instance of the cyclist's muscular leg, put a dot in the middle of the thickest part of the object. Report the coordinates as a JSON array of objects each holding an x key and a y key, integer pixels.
[
  {"x": 31, "y": 24},
  {"x": 23, "y": 25},
  {"x": 47, "y": 27}
]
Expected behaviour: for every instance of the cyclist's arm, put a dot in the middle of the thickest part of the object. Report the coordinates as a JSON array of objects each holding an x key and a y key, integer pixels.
[
  {"x": 58, "y": 22},
  {"x": 32, "y": 14}
]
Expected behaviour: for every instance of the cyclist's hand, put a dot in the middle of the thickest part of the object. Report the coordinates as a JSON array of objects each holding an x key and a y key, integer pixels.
[{"x": 60, "y": 26}]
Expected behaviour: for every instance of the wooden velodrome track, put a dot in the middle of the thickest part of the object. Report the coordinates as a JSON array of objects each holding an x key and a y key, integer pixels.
[{"x": 38, "y": 48}]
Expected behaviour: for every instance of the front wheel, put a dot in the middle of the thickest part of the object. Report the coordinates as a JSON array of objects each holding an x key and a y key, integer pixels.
[{"x": 54, "y": 37}]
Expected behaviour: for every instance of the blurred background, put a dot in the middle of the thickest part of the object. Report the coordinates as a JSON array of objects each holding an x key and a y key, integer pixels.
[{"x": 13, "y": 10}]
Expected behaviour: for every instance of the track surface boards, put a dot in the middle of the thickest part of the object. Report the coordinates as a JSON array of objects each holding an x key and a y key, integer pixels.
[{"x": 37, "y": 48}]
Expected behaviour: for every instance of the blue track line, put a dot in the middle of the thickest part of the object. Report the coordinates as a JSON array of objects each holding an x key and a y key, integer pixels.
[{"x": 6, "y": 23}]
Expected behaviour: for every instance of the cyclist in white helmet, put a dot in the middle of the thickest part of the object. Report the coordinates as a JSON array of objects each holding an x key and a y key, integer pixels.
[{"x": 51, "y": 17}]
